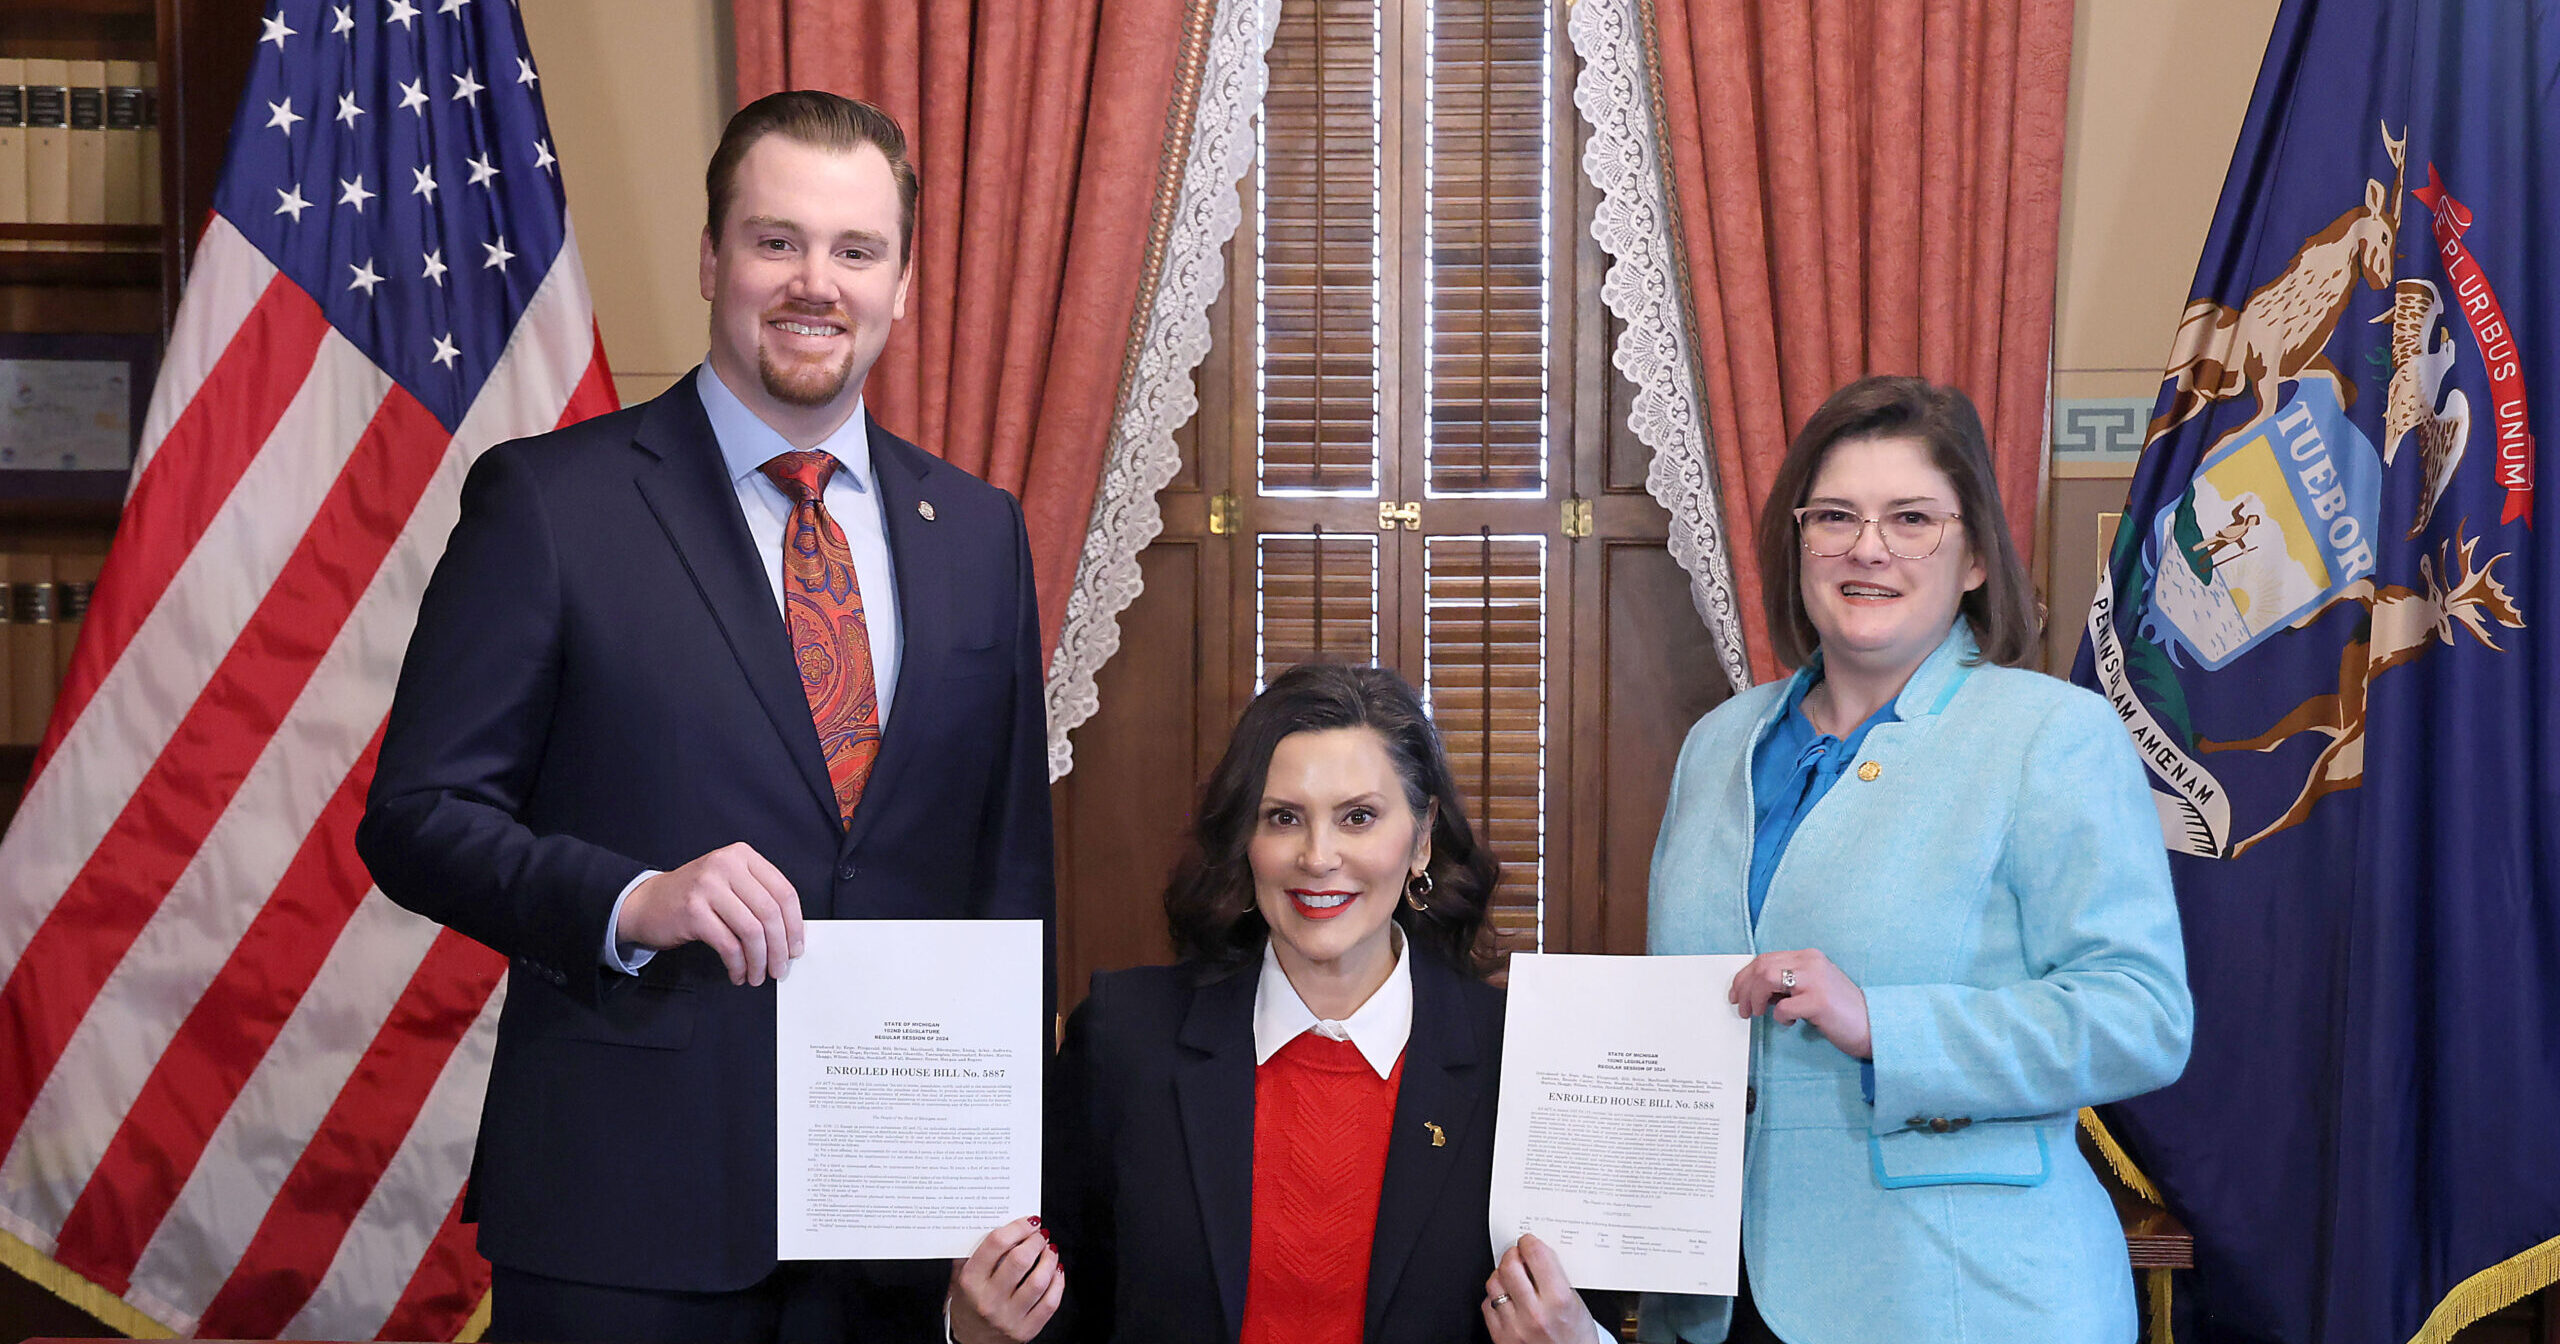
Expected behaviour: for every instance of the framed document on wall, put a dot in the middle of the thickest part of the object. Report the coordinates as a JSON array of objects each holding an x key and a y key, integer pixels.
[{"x": 71, "y": 408}]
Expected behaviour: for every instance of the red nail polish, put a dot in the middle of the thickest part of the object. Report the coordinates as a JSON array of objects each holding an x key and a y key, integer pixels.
[{"x": 1035, "y": 1220}]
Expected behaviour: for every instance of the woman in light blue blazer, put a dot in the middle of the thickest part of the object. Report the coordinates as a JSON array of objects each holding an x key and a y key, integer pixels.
[{"x": 1951, "y": 875}]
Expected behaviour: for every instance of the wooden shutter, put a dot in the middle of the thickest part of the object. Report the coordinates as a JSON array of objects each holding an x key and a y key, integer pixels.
[
  {"x": 1318, "y": 599},
  {"x": 1375, "y": 193},
  {"x": 1485, "y": 673},
  {"x": 1486, "y": 247},
  {"x": 1318, "y": 277}
]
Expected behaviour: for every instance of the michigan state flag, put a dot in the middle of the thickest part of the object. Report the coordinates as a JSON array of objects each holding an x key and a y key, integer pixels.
[{"x": 2331, "y": 623}]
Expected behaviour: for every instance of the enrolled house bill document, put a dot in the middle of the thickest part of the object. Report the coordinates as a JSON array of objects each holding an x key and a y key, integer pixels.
[
  {"x": 1620, "y": 1134},
  {"x": 907, "y": 1087}
]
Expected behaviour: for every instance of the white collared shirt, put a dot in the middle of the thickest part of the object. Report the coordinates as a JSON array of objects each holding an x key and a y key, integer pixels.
[
  {"x": 1379, "y": 1027},
  {"x": 852, "y": 499}
]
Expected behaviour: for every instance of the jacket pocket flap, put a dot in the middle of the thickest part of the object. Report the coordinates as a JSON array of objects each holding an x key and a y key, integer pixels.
[
  {"x": 1983, "y": 1154},
  {"x": 652, "y": 1016}
]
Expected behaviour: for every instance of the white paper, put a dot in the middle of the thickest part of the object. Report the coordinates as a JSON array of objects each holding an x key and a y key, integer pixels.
[
  {"x": 907, "y": 1087},
  {"x": 1620, "y": 1139}
]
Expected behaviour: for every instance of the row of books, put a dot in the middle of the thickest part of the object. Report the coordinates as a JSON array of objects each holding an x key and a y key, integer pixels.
[
  {"x": 43, "y": 599},
  {"x": 79, "y": 142}
]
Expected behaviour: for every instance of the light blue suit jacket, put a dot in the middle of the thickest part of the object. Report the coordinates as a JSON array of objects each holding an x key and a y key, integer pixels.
[{"x": 1999, "y": 891}]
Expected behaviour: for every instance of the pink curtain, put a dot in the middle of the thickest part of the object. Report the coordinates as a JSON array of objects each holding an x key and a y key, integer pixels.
[
  {"x": 1864, "y": 186},
  {"x": 1044, "y": 135}
]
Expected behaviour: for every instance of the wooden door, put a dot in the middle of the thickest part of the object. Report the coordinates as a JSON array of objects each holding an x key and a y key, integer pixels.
[{"x": 1406, "y": 419}]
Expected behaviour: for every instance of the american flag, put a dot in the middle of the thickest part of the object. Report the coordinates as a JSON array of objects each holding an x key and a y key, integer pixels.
[{"x": 238, "y": 1088}]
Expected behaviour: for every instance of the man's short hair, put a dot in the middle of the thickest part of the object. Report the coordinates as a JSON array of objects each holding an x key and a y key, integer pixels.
[{"x": 820, "y": 119}]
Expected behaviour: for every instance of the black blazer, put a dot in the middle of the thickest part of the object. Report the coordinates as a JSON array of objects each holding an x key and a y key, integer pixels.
[
  {"x": 1150, "y": 1191},
  {"x": 599, "y": 684}
]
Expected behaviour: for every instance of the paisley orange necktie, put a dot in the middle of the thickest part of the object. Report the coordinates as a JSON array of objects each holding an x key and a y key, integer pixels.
[{"x": 822, "y": 611}]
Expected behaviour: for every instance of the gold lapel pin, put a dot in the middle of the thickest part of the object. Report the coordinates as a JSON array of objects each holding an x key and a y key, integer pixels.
[
  {"x": 1869, "y": 770},
  {"x": 1439, "y": 1137},
  {"x": 924, "y": 509}
]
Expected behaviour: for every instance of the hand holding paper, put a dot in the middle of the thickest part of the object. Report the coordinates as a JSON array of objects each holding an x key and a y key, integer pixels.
[
  {"x": 1008, "y": 1288},
  {"x": 1803, "y": 985},
  {"x": 1530, "y": 1299}
]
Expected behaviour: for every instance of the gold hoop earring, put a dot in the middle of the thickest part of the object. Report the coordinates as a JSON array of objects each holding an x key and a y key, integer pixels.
[{"x": 1416, "y": 889}]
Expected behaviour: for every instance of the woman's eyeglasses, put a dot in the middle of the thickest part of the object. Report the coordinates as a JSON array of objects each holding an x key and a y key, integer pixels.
[{"x": 1910, "y": 534}]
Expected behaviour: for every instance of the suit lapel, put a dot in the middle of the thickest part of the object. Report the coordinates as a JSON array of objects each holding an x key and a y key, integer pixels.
[
  {"x": 1446, "y": 1083},
  {"x": 694, "y": 500},
  {"x": 921, "y": 559},
  {"x": 1213, "y": 1087}
]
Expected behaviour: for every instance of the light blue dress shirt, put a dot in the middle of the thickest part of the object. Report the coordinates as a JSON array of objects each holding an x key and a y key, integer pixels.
[{"x": 852, "y": 500}]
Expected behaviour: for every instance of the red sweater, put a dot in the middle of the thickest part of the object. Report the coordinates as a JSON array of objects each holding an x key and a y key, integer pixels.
[{"x": 1321, "y": 1117}]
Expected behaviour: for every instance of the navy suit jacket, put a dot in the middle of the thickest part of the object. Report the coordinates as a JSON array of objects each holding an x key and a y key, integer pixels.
[
  {"x": 1150, "y": 1163},
  {"x": 600, "y": 684}
]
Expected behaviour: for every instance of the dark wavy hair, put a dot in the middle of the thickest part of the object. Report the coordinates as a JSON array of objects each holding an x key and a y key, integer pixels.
[
  {"x": 1209, "y": 900},
  {"x": 2002, "y": 611}
]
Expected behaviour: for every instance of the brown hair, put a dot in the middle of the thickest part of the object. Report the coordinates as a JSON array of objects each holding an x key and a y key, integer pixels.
[
  {"x": 1209, "y": 900},
  {"x": 2001, "y": 610},
  {"x": 820, "y": 119}
]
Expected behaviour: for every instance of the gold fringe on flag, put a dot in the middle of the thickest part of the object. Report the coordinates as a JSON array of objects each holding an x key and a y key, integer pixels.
[
  {"x": 2161, "y": 1331},
  {"x": 2510, "y": 1280},
  {"x": 44, "y": 1272},
  {"x": 127, "y": 1319},
  {"x": 2157, "y": 1280},
  {"x": 2119, "y": 1159}
]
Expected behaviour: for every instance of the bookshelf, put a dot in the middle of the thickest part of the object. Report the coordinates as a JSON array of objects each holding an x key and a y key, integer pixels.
[{"x": 75, "y": 287}]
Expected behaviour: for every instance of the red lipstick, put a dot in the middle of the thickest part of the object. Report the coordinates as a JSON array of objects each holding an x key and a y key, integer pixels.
[{"x": 1334, "y": 902}]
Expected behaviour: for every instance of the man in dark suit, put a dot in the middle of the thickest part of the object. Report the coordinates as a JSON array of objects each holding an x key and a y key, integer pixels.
[{"x": 687, "y": 674}]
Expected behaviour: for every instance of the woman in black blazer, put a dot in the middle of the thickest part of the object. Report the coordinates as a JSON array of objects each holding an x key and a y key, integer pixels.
[{"x": 1203, "y": 1186}]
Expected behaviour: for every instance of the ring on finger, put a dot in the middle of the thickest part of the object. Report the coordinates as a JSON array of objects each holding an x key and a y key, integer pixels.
[
  {"x": 1499, "y": 1299},
  {"x": 1787, "y": 981}
]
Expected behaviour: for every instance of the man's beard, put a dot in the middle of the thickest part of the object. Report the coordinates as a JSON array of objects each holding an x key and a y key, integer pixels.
[{"x": 803, "y": 385}]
